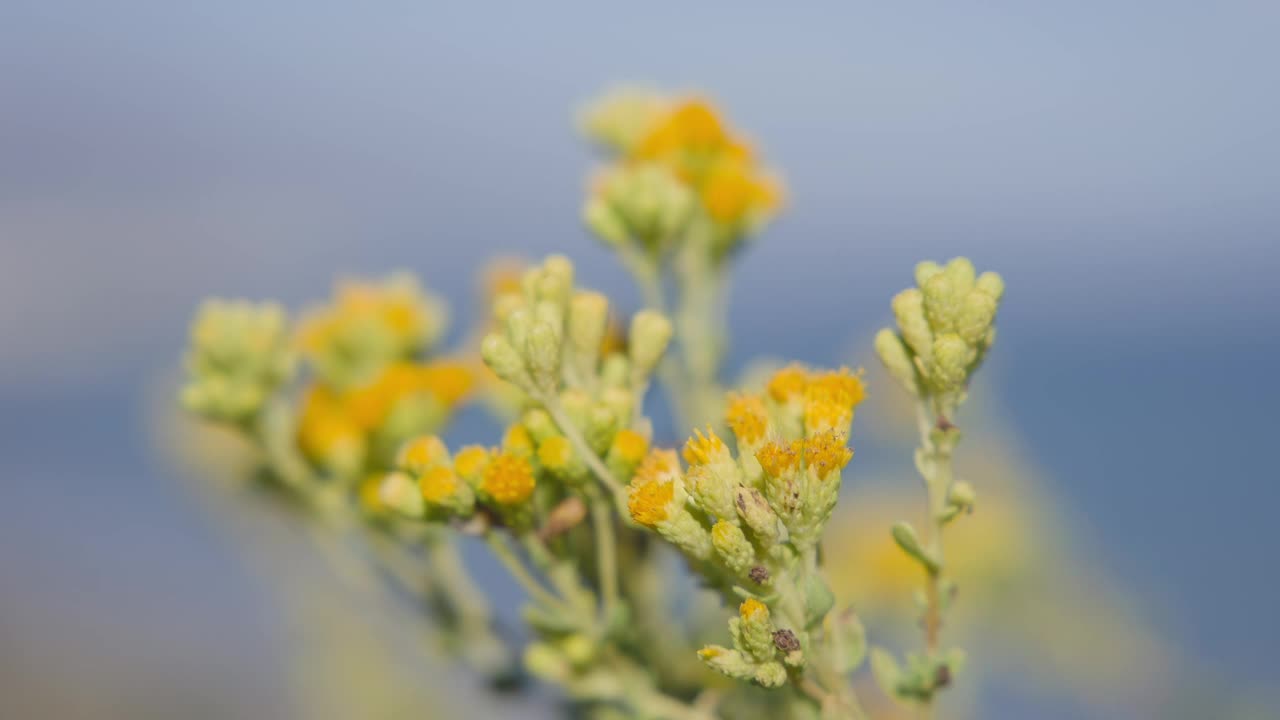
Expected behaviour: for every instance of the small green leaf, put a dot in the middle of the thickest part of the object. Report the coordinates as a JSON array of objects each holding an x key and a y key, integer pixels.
[
  {"x": 849, "y": 641},
  {"x": 886, "y": 671},
  {"x": 818, "y": 600},
  {"x": 905, "y": 536}
]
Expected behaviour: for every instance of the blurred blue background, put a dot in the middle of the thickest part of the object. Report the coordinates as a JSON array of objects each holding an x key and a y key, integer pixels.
[{"x": 1118, "y": 162}]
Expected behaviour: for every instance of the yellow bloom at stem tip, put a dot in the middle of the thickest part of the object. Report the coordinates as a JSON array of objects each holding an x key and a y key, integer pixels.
[
  {"x": 747, "y": 418},
  {"x": 704, "y": 449},
  {"x": 508, "y": 479}
]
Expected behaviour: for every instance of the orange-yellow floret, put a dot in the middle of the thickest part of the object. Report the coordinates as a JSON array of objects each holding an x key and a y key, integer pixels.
[
  {"x": 508, "y": 479},
  {"x": 470, "y": 461},
  {"x": 648, "y": 501},
  {"x": 555, "y": 452},
  {"x": 779, "y": 458},
  {"x": 422, "y": 452},
  {"x": 747, "y": 418},
  {"x": 711, "y": 652},
  {"x": 630, "y": 446},
  {"x": 704, "y": 449},
  {"x": 657, "y": 465},
  {"x": 788, "y": 383},
  {"x": 438, "y": 484},
  {"x": 517, "y": 440},
  {"x": 826, "y": 452},
  {"x": 752, "y": 608},
  {"x": 734, "y": 191},
  {"x": 325, "y": 431}
]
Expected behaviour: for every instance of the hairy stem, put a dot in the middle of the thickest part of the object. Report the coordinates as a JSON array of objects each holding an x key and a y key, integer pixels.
[{"x": 516, "y": 567}]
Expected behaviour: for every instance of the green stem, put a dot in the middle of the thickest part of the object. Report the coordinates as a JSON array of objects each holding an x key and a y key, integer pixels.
[
  {"x": 606, "y": 553},
  {"x": 580, "y": 446},
  {"x": 937, "y": 472},
  {"x": 516, "y": 567}
]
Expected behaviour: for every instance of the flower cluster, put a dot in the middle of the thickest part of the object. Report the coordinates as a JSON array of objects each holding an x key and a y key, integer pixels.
[
  {"x": 945, "y": 327},
  {"x": 676, "y": 163},
  {"x": 752, "y": 521},
  {"x": 240, "y": 354}
]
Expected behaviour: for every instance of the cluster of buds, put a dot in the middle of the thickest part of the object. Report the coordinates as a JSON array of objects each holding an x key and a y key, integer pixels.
[
  {"x": 368, "y": 325},
  {"x": 551, "y": 346},
  {"x": 945, "y": 328},
  {"x": 676, "y": 164},
  {"x": 240, "y": 354},
  {"x": 761, "y": 651}
]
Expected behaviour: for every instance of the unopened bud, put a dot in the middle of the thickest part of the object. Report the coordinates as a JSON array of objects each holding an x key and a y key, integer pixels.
[
  {"x": 503, "y": 359},
  {"x": 893, "y": 353},
  {"x": 908, "y": 309},
  {"x": 398, "y": 492},
  {"x": 649, "y": 337}
]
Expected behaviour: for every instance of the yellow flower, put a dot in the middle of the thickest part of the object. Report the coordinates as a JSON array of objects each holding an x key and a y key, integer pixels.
[
  {"x": 788, "y": 383},
  {"x": 734, "y": 192},
  {"x": 747, "y": 418},
  {"x": 703, "y": 450},
  {"x": 470, "y": 461},
  {"x": 779, "y": 458},
  {"x": 649, "y": 501},
  {"x": 826, "y": 452},
  {"x": 326, "y": 433},
  {"x": 630, "y": 446},
  {"x": 555, "y": 453},
  {"x": 517, "y": 440},
  {"x": 508, "y": 479},
  {"x": 438, "y": 484},
  {"x": 752, "y": 609},
  {"x": 421, "y": 453}
]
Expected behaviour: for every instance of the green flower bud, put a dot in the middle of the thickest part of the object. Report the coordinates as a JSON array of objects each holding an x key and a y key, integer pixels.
[
  {"x": 544, "y": 661},
  {"x": 771, "y": 675},
  {"x": 727, "y": 662},
  {"x": 650, "y": 334},
  {"x": 544, "y": 354},
  {"x": 942, "y": 300},
  {"x": 756, "y": 629},
  {"x": 758, "y": 515},
  {"x": 518, "y": 324},
  {"x": 601, "y": 219},
  {"x": 948, "y": 368},
  {"x": 555, "y": 283},
  {"x": 240, "y": 353},
  {"x": 539, "y": 424},
  {"x": 926, "y": 270},
  {"x": 991, "y": 284},
  {"x": 684, "y": 531},
  {"x": 588, "y": 319},
  {"x": 400, "y": 493},
  {"x": 602, "y": 425},
  {"x": 976, "y": 315},
  {"x": 908, "y": 309},
  {"x": 615, "y": 371},
  {"x": 712, "y": 488},
  {"x": 732, "y": 547},
  {"x": 577, "y": 405},
  {"x": 503, "y": 360},
  {"x": 621, "y": 402},
  {"x": 961, "y": 272},
  {"x": 893, "y": 354}
]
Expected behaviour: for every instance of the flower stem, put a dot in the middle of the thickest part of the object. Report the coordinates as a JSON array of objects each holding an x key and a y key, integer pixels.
[{"x": 516, "y": 567}]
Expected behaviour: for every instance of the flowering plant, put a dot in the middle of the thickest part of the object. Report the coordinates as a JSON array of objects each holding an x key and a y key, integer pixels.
[{"x": 578, "y": 499}]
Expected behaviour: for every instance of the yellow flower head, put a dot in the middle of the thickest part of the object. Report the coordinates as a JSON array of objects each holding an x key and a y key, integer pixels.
[
  {"x": 326, "y": 433},
  {"x": 704, "y": 449},
  {"x": 829, "y": 400},
  {"x": 517, "y": 440},
  {"x": 826, "y": 452},
  {"x": 470, "y": 462},
  {"x": 658, "y": 465},
  {"x": 735, "y": 192},
  {"x": 630, "y": 446},
  {"x": 687, "y": 136},
  {"x": 449, "y": 380},
  {"x": 421, "y": 453},
  {"x": 788, "y": 383},
  {"x": 555, "y": 453},
  {"x": 779, "y": 458},
  {"x": 438, "y": 484},
  {"x": 508, "y": 479},
  {"x": 747, "y": 418},
  {"x": 753, "y": 609},
  {"x": 711, "y": 652},
  {"x": 649, "y": 501}
]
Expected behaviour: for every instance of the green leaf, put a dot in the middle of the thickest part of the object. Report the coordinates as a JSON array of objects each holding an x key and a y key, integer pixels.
[
  {"x": 818, "y": 600},
  {"x": 905, "y": 536},
  {"x": 849, "y": 641},
  {"x": 886, "y": 671}
]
